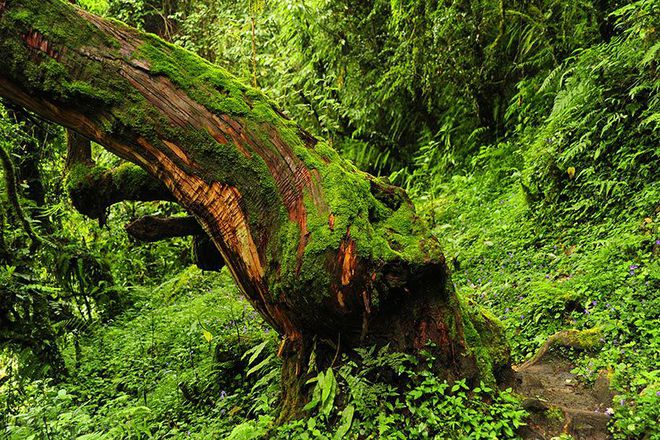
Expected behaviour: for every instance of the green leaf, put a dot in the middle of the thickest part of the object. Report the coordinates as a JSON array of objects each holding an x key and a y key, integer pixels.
[
  {"x": 345, "y": 422},
  {"x": 255, "y": 351},
  {"x": 329, "y": 390},
  {"x": 316, "y": 395},
  {"x": 259, "y": 366},
  {"x": 207, "y": 335}
]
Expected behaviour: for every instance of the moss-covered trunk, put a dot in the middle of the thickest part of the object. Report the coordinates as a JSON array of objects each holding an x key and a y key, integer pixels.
[{"x": 321, "y": 249}]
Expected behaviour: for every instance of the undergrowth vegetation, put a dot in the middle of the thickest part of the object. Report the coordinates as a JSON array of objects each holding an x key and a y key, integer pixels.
[{"x": 530, "y": 145}]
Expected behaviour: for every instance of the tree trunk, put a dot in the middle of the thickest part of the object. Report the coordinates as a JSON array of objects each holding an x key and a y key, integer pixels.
[{"x": 321, "y": 249}]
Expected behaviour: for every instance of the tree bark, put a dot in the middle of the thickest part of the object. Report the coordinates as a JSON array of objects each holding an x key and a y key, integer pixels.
[
  {"x": 321, "y": 249},
  {"x": 154, "y": 228},
  {"x": 78, "y": 151},
  {"x": 93, "y": 190}
]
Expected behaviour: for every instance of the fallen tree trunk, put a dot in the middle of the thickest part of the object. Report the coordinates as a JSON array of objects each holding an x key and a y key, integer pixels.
[{"x": 321, "y": 249}]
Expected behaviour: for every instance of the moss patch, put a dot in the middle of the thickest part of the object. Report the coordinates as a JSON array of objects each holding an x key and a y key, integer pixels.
[
  {"x": 56, "y": 22},
  {"x": 485, "y": 339},
  {"x": 206, "y": 83}
]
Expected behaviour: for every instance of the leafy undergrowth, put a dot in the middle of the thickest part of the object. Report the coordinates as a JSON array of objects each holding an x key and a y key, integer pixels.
[
  {"x": 559, "y": 227},
  {"x": 394, "y": 396},
  {"x": 166, "y": 368},
  {"x": 541, "y": 274},
  {"x": 190, "y": 359}
]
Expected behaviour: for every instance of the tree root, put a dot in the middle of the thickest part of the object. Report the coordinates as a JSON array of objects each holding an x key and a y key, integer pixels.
[{"x": 578, "y": 339}]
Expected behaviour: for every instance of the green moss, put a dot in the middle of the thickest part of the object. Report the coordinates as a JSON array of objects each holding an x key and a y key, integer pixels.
[
  {"x": 81, "y": 81},
  {"x": 81, "y": 177},
  {"x": 135, "y": 114},
  {"x": 403, "y": 232},
  {"x": 484, "y": 338},
  {"x": 82, "y": 90},
  {"x": 59, "y": 24},
  {"x": 129, "y": 177},
  {"x": 284, "y": 246},
  {"x": 126, "y": 179},
  {"x": 206, "y": 83},
  {"x": 326, "y": 152},
  {"x": 348, "y": 200},
  {"x": 579, "y": 339},
  {"x": 381, "y": 234}
]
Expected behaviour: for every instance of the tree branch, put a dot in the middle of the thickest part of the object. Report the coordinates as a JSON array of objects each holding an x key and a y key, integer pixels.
[
  {"x": 93, "y": 190},
  {"x": 154, "y": 228}
]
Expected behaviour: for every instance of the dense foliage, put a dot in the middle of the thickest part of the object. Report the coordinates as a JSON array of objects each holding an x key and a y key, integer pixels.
[{"x": 527, "y": 134}]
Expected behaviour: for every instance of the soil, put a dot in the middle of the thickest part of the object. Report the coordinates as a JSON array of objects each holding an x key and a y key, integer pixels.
[{"x": 559, "y": 404}]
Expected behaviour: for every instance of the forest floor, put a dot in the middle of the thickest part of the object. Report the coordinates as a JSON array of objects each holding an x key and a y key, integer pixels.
[
  {"x": 190, "y": 359},
  {"x": 546, "y": 274},
  {"x": 558, "y": 403}
]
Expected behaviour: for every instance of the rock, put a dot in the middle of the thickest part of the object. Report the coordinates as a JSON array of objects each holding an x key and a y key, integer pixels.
[
  {"x": 601, "y": 388},
  {"x": 534, "y": 405}
]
